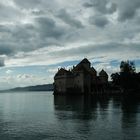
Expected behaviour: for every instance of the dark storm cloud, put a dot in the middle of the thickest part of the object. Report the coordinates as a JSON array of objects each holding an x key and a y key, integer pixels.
[
  {"x": 47, "y": 27},
  {"x": 102, "y": 6},
  {"x": 23, "y": 32},
  {"x": 99, "y": 21},
  {"x": 16, "y": 38},
  {"x": 39, "y": 24},
  {"x": 2, "y": 62},
  {"x": 4, "y": 29},
  {"x": 128, "y": 9},
  {"x": 68, "y": 19},
  {"x": 29, "y": 37},
  {"x": 6, "y": 49},
  {"x": 88, "y": 5},
  {"x": 27, "y": 3},
  {"x": 37, "y": 12}
]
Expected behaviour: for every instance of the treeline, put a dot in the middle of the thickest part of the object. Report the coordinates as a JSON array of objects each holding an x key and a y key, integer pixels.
[{"x": 127, "y": 78}]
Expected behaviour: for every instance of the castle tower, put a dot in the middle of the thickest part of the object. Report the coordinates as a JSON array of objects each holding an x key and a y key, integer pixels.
[
  {"x": 85, "y": 63},
  {"x": 103, "y": 76}
]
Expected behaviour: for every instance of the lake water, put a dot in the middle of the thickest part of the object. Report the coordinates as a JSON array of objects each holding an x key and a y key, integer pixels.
[{"x": 40, "y": 116}]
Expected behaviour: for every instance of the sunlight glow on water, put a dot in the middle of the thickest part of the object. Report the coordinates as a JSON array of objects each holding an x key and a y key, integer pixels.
[{"x": 41, "y": 116}]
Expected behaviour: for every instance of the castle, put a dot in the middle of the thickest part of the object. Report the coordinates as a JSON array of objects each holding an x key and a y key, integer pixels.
[{"x": 81, "y": 79}]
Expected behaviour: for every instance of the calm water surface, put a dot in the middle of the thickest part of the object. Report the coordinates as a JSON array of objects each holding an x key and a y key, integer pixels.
[{"x": 40, "y": 116}]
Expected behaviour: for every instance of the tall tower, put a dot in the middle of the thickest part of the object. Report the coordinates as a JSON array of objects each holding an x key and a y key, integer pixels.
[
  {"x": 85, "y": 63},
  {"x": 103, "y": 76}
]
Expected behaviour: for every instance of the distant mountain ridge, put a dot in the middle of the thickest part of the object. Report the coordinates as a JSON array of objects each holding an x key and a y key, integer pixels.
[{"x": 45, "y": 87}]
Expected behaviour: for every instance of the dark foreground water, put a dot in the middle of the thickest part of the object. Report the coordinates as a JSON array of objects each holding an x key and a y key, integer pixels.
[{"x": 40, "y": 116}]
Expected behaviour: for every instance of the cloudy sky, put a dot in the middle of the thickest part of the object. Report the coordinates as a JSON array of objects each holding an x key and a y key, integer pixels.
[{"x": 38, "y": 36}]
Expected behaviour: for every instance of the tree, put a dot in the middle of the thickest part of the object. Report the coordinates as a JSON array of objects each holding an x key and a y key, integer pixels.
[
  {"x": 127, "y": 78},
  {"x": 127, "y": 67}
]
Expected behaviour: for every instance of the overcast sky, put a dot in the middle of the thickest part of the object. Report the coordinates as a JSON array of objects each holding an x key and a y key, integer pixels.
[{"x": 38, "y": 36}]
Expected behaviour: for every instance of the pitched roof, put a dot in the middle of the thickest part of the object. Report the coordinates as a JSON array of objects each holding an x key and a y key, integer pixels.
[
  {"x": 93, "y": 71},
  {"x": 80, "y": 68},
  {"x": 85, "y": 60},
  {"x": 62, "y": 71},
  {"x": 102, "y": 72}
]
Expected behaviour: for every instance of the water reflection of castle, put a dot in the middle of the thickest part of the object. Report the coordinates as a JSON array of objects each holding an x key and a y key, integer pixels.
[{"x": 81, "y": 79}]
